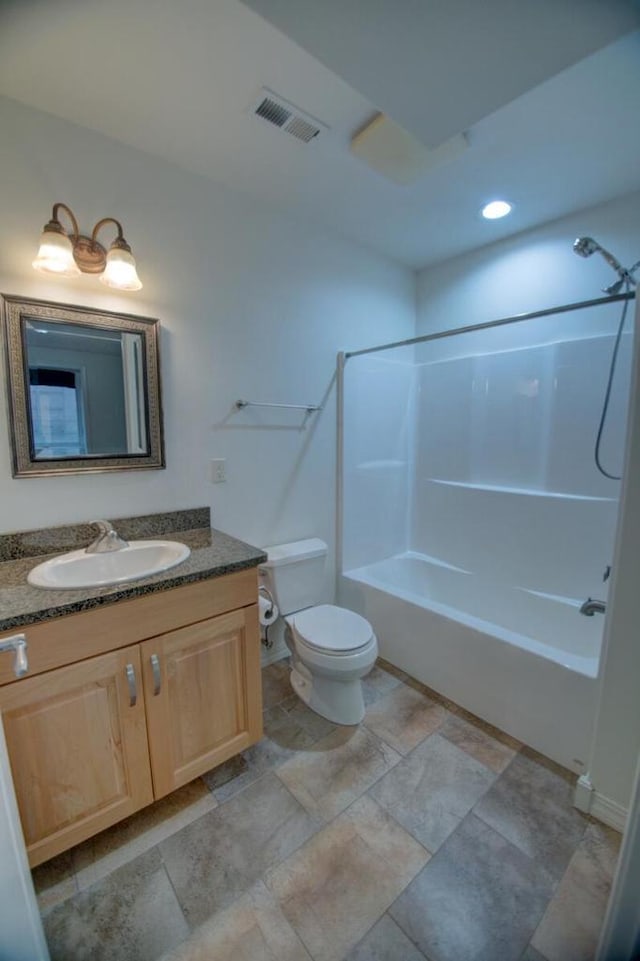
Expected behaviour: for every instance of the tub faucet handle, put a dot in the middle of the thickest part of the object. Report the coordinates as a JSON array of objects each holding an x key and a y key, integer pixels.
[
  {"x": 607, "y": 573},
  {"x": 591, "y": 606}
]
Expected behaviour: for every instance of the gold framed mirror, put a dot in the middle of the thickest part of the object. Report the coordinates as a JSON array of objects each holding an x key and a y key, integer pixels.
[{"x": 83, "y": 389}]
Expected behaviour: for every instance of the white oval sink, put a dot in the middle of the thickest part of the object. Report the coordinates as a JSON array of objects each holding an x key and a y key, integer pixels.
[{"x": 79, "y": 569}]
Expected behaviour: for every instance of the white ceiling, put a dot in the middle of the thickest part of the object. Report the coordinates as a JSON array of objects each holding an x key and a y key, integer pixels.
[{"x": 177, "y": 81}]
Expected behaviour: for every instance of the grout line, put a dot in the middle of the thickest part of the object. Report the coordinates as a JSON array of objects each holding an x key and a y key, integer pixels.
[
  {"x": 385, "y": 914},
  {"x": 404, "y": 754},
  {"x": 141, "y": 844},
  {"x": 396, "y": 922},
  {"x": 178, "y": 901}
]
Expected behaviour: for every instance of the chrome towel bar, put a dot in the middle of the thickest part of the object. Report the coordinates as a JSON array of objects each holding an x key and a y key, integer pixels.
[{"x": 309, "y": 408}]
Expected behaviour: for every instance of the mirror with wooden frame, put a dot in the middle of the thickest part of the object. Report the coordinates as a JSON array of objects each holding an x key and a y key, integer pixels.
[{"x": 83, "y": 389}]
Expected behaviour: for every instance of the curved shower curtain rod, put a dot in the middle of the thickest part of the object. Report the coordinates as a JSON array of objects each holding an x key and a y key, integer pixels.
[{"x": 517, "y": 318}]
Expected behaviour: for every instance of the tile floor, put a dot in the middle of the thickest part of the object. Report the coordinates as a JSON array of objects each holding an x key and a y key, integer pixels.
[{"x": 422, "y": 834}]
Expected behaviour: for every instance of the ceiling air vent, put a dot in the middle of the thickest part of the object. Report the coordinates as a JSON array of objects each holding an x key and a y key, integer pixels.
[{"x": 286, "y": 116}]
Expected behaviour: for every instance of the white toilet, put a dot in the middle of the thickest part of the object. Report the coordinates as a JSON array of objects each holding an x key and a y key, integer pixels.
[{"x": 331, "y": 648}]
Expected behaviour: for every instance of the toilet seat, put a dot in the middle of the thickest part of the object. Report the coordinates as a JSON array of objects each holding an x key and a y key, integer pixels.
[{"x": 329, "y": 629}]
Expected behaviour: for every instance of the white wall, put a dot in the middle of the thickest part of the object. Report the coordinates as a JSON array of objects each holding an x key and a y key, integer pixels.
[
  {"x": 531, "y": 271},
  {"x": 252, "y": 305}
]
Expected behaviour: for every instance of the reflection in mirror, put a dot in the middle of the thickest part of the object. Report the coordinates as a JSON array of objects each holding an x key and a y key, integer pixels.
[{"x": 83, "y": 389}]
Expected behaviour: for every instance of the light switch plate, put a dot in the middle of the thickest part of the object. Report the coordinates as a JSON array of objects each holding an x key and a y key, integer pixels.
[{"x": 219, "y": 471}]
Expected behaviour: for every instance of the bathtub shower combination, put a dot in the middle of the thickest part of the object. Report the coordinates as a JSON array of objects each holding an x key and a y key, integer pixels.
[{"x": 474, "y": 521}]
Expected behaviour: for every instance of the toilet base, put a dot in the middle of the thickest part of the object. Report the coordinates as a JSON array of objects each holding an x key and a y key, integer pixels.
[{"x": 339, "y": 701}]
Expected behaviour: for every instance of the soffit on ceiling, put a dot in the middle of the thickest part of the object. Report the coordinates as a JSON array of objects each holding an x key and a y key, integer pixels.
[
  {"x": 439, "y": 66},
  {"x": 177, "y": 81}
]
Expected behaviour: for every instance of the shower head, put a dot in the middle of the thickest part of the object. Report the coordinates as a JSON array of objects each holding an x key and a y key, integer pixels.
[{"x": 585, "y": 246}]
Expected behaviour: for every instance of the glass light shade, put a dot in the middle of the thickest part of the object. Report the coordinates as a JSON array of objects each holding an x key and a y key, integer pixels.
[
  {"x": 120, "y": 270},
  {"x": 55, "y": 255},
  {"x": 496, "y": 209}
]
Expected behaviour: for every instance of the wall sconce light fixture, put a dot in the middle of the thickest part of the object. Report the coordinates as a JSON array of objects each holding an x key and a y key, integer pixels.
[{"x": 70, "y": 253}]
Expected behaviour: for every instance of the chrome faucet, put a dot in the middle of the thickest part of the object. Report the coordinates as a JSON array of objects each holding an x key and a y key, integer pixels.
[
  {"x": 107, "y": 540},
  {"x": 591, "y": 607}
]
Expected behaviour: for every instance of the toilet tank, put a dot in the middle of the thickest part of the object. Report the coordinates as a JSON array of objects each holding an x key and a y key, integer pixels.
[{"x": 293, "y": 573}]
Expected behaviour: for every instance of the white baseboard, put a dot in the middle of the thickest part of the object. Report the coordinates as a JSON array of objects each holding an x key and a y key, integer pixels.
[
  {"x": 583, "y": 797},
  {"x": 608, "y": 811},
  {"x": 592, "y": 802}
]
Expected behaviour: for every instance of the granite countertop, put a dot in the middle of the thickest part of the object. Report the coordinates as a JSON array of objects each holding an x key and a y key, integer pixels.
[{"x": 213, "y": 554}]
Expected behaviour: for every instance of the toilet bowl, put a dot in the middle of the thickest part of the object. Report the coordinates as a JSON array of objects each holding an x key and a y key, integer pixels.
[{"x": 331, "y": 648}]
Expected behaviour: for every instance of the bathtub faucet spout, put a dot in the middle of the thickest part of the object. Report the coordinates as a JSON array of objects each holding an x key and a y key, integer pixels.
[{"x": 591, "y": 607}]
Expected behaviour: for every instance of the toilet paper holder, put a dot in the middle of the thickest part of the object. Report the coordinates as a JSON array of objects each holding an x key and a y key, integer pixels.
[
  {"x": 266, "y": 593},
  {"x": 270, "y": 614}
]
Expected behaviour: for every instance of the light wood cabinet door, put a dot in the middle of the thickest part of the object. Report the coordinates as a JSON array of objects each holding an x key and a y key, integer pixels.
[
  {"x": 203, "y": 697},
  {"x": 78, "y": 749}
]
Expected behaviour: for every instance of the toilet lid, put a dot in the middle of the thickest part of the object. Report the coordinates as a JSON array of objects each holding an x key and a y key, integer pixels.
[{"x": 330, "y": 628}]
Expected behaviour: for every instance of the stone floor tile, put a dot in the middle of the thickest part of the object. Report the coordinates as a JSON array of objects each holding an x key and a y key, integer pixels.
[
  {"x": 432, "y": 789},
  {"x": 337, "y": 770},
  {"x": 603, "y": 844},
  {"x": 315, "y": 725},
  {"x": 100, "y": 855},
  {"x": 495, "y": 732},
  {"x": 482, "y": 741},
  {"x": 217, "y": 858},
  {"x": 544, "y": 761},
  {"x": 480, "y": 898},
  {"x": 252, "y": 929},
  {"x": 228, "y": 771},
  {"x": 391, "y": 669},
  {"x": 284, "y": 737},
  {"x": 531, "y": 804},
  {"x": 343, "y": 880},
  {"x": 532, "y": 955},
  {"x": 404, "y": 717},
  {"x": 286, "y": 730},
  {"x": 276, "y": 686},
  {"x": 570, "y": 928},
  {"x": 54, "y": 881},
  {"x": 377, "y": 683},
  {"x": 133, "y": 915},
  {"x": 432, "y": 694},
  {"x": 385, "y": 942}
]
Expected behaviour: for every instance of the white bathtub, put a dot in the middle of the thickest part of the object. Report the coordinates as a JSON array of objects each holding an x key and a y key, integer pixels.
[{"x": 523, "y": 660}]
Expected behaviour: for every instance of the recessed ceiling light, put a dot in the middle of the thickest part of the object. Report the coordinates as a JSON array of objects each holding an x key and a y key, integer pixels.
[{"x": 496, "y": 209}]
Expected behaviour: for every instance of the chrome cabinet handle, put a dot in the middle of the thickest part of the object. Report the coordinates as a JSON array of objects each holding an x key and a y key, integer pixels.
[
  {"x": 131, "y": 681},
  {"x": 18, "y": 644},
  {"x": 157, "y": 677}
]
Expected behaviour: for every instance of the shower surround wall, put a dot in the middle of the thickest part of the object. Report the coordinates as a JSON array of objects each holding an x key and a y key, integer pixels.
[
  {"x": 475, "y": 521},
  {"x": 505, "y": 446},
  {"x": 378, "y": 424}
]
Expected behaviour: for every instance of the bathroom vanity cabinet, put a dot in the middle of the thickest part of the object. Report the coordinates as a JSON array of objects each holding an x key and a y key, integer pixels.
[{"x": 124, "y": 703}]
